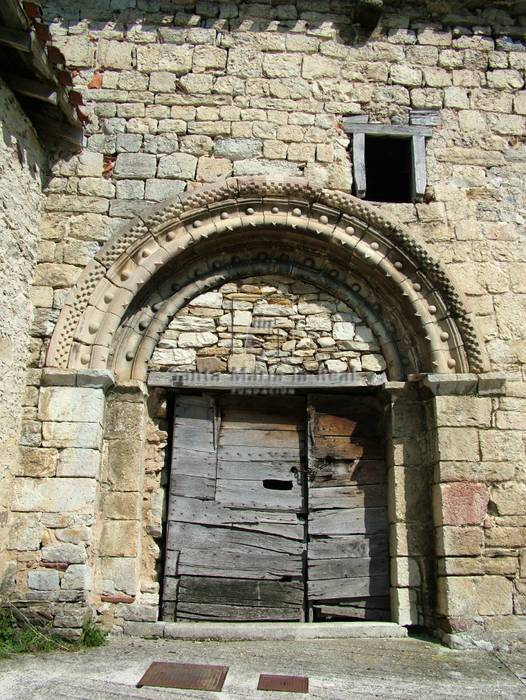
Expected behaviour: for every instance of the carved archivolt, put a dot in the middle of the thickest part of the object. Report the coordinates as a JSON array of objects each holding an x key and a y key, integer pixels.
[{"x": 127, "y": 295}]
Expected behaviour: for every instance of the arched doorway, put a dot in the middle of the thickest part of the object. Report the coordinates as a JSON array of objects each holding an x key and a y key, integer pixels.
[{"x": 145, "y": 280}]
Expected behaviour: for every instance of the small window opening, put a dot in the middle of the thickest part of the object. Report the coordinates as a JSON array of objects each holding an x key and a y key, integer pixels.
[
  {"x": 388, "y": 169},
  {"x": 277, "y": 484}
]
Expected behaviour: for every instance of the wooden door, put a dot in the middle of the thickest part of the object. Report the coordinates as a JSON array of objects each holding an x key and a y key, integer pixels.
[
  {"x": 348, "y": 527},
  {"x": 236, "y": 525}
]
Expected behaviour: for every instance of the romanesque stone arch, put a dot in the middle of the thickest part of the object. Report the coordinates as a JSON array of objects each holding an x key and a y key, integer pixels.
[{"x": 127, "y": 295}]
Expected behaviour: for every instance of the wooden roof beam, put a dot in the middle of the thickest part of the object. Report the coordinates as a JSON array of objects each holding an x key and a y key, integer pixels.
[
  {"x": 16, "y": 39},
  {"x": 35, "y": 89}
]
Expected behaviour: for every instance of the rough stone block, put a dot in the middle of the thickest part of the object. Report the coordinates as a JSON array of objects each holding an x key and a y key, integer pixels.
[
  {"x": 38, "y": 461},
  {"x": 164, "y": 57},
  {"x": 54, "y": 495},
  {"x": 208, "y": 58},
  {"x": 43, "y": 580},
  {"x": 64, "y": 403},
  {"x": 181, "y": 166},
  {"x": 509, "y": 498},
  {"x": 460, "y": 444},
  {"x": 459, "y": 541},
  {"x": 65, "y": 553},
  {"x": 501, "y": 445},
  {"x": 122, "y": 573},
  {"x": 78, "y": 462},
  {"x": 84, "y": 435},
  {"x": 158, "y": 190},
  {"x": 461, "y": 503},
  {"x": 114, "y": 54},
  {"x": 463, "y": 411},
  {"x": 135, "y": 166},
  {"x": 77, "y": 577}
]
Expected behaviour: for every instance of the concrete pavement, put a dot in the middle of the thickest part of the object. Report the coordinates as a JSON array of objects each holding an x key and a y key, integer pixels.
[{"x": 341, "y": 668}]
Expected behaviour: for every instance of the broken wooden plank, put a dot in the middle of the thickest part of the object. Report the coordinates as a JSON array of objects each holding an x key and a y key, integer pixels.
[
  {"x": 233, "y": 453},
  {"x": 325, "y": 473},
  {"x": 205, "y": 537},
  {"x": 193, "y": 487},
  {"x": 339, "y": 589},
  {"x": 191, "y": 463},
  {"x": 243, "y": 561},
  {"x": 352, "y": 567},
  {"x": 348, "y": 522},
  {"x": 340, "y": 447},
  {"x": 348, "y": 546},
  {"x": 253, "y": 471},
  {"x": 366, "y": 496},
  {"x": 280, "y": 439},
  {"x": 282, "y": 495},
  {"x": 235, "y": 591},
  {"x": 237, "y": 613}
]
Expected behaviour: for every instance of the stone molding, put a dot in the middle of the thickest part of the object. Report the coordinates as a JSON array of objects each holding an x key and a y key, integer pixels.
[
  {"x": 487, "y": 384},
  {"x": 89, "y": 378},
  {"x": 103, "y": 300}
]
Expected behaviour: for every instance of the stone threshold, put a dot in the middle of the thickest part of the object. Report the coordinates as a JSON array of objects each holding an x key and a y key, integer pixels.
[{"x": 265, "y": 631}]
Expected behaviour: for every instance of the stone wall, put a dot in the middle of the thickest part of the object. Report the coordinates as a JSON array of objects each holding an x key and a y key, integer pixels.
[
  {"x": 269, "y": 326},
  {"x": 21, "y": 180},
  {"x": 185, "y": 93}
]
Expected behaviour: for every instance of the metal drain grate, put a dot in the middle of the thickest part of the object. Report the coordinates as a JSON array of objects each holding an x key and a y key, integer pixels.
[
  {"x": 287, "y": 684},
  {"x": 189, "y": 676}
]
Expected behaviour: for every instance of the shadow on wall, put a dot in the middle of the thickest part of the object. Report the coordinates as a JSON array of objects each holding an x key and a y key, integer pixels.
[{"x": 354, "y": 20}]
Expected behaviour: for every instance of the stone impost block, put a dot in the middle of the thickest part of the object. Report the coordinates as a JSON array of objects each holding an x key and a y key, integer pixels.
[
  {"x": 124, "y": 464},
  {"x": 95, "y": 378},
  {"x": 52, "y": 376},
  {"x": 492, "y": 384},
  {"x": 459, "y": 541},
  {"x": 67, "y": 434},
  {"x": 120, "y": 574},
  {"x": 46, "y": 580},
  {"x": 460, "y": 503},
  {"x": 122, "y": 506},
  {"x": 448, "y": 384},
  {"x": 119, "y": 539},
  {"x": 463, "y": 411},
  {"x": 458, "y": 444},
  {"x": 72, "y": 404},
  {"x": 54, "y": 495}
]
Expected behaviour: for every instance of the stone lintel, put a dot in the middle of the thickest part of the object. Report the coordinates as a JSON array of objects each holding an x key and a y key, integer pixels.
[
  {"x": 492, "y": 384},
  {"x": 87, "y": 378}
]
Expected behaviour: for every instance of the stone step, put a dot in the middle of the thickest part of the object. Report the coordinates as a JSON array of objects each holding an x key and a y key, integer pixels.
[{"x": 265, "y": 631}]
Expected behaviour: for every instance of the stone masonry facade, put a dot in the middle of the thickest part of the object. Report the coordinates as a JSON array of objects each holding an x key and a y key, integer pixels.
[{"x": 182, "y": 95}]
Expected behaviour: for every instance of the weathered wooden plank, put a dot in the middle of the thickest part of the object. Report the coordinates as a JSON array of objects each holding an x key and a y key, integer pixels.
[
  {"x": 353, "y": 612},
  {"x": 194, "y": 438},
  {"x": 194, "y": 463},
  {"x": 205, "y": 537},
  {"x": 237, "y": 419},
  {"x": 242, "y": 493},
  {"x": 191, "y": 510},
  {"x": 192, "y": 486},
  {"x": 253, "y": 471},
  {"x": 370, "y": 495},
  {"x": 234, "y": 591},
  {"x": 347, "y": 473},
  {"x": 281, "y": 439},
  {"x": 243, "y": 561},
  {"x": 238, "y": 613},
  {"x": 233, "y": 453},
  {"x": 339, "y": 589},
  {"x": 348, "y": 522},
  {"x": 170, "y": 588},
  {"x": 171, "y": 556},
  {"x": 352, "y": 567},
  {"x": 358, "y": 159},
  {"x": 348, "y": 546}
]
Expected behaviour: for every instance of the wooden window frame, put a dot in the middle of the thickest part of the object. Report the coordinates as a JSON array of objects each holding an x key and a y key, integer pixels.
[{"x": 417, "y": 134}]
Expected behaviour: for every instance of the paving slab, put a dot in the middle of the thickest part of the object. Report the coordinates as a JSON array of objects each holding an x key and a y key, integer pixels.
[{"x": 341, "y": 668}]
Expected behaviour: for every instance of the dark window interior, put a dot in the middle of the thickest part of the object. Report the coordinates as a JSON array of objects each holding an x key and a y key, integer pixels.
[{"x": 388, "y": 169}]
